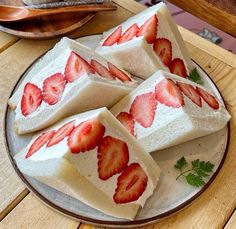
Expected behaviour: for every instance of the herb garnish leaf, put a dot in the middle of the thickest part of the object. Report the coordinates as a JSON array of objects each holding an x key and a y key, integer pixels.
[
  {"x": 195, "y": 77},
  {"x": 196, "y": 174}
]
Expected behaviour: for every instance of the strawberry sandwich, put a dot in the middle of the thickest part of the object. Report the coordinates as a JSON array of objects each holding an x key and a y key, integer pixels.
[
  {"x": 167, "y": 110},
  {"x": 93, "y": 158},
  {"x": 147, "y": 42},
  {"x": 69, "y": 79}
]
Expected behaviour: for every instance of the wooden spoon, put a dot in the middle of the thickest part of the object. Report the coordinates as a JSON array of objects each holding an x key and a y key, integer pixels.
[{"x": 15, "y": 13}]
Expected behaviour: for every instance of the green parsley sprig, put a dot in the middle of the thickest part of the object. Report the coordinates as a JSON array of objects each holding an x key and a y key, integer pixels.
[
  {"x": 195, "y": 77},
  {"x": 196, "y": 174}
]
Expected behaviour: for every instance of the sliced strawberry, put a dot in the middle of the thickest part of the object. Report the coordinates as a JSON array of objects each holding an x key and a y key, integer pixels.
[
  {"x": 31, "y": 99},
  {"x": 102, "y": 70},
  {"x": 149, "y": 29},
  {"x": 127, "y": 121},
  {"x": 61, "y": 133},
  {"x": 208, "y": 98},
  {"x": 113, "y": 157},
  {"x": 76, "y": 67},
  {"x": 168, "y": 93},
  {"x": 121, "y": 75},
  {"x": 131, "y": 184},
  {"x": 143, "y": 109},
  {"x": 190, "y": 92},
  {"x": 53, "y": 88},
  {"x": 113, "y": 37},
  {"x": 129, "y": 34},
  {"x": 86, "y": 136},
  {"x": 38, "y": 143},
  {"x": 163, "y": 49},
  {"x": 177, "y": 67}
]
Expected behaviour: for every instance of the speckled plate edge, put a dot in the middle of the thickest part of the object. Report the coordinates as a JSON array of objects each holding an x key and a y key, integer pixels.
[{"x": 105, "y": 223}]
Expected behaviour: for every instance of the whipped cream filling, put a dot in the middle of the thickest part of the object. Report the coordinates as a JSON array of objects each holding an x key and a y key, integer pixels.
[
  {"x": 165, "y": 114},
  {"x": 58, "y": 66},
  {"x": 163, "y": 31},
  {"x": 55, "y": 66},
  {"x": 86, "y": 163}
]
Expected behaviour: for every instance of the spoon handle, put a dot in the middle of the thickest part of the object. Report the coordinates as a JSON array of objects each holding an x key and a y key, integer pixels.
[{"x": 72, "y": 9}]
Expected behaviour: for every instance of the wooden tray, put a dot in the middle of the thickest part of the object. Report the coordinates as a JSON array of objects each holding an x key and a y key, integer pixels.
[{"x": 44, "y": 27}]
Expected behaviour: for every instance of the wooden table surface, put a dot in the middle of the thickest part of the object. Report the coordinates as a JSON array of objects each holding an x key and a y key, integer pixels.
[
  {"x": 219, "y": 13},
  {"x": 215, "y": 208}
]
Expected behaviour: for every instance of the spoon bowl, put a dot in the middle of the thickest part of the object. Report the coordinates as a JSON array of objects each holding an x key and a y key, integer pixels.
[{"x": 11, "y": 12}]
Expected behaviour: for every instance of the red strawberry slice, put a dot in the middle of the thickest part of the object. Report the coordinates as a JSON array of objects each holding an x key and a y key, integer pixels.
[
  {"x": 61, "y": 133},
  {"x": 129, "y": 34},
  {"x": 31, "y": 99},
  {"x": 127, "y": 121},
  {"x": 86, "y": 136},
  {"x": 76, "y": 67},
  {"x": 118, "y": 73},
  {"x": 53, "y": 88},
  {"x": 113, "y": 157},
  {"x": 163, "y": 49},
  {"x": 113, "y": 37},
  {"x": 149, "y": 29},
  {"x": 177, "y": 67},
  {"x": 208, "y": 98},
  {"x": 143, "y": 109},
  {"x": 38, "y": 143},
  {"x": 102, "y": 70},
  {"x": 168, "y": 93},
  {"x": 190, "y": 92},
  {"x": 131, "y": 184}
]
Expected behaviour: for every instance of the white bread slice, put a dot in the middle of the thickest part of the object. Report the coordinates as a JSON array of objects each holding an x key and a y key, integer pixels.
[
  {"x": 90, "y": 91},
  {"x": 136, "y": 55},
  {"x": 172, "y": 126},
  {"x": 77, "y": 174}
]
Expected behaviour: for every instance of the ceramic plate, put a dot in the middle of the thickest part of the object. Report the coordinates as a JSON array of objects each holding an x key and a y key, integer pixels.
[{"x": 170, "y": 196}]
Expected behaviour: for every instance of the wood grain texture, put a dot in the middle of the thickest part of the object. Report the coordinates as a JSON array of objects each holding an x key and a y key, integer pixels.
[
  {"x": 215, "y": 12},
  {"x": 12, "y": 189},
  {"x": 130, "y": 5},
  {"x": 86, "y": 226},
  {"x": 30, "y": 213},
  {"x": 226, "y": 5},
  {"x": 232, "y": 222},
  {"x": 6, "y": 41},
  {"x": 214, "y": 50}
]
